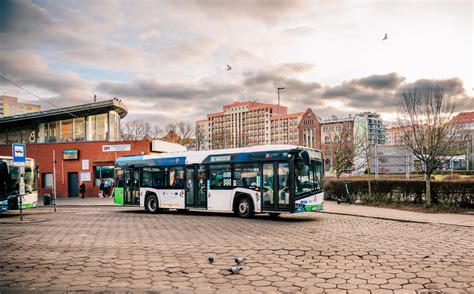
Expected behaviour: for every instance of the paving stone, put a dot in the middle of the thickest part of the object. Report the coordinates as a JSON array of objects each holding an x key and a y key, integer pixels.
[{"x": 168, "y": 251}]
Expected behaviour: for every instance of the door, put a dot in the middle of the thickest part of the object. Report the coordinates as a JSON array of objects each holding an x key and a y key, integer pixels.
[
  {"x": 201, "y": 187},
  {"x": 196, "y": 188},
  {"x": 131, "y": 186},
  {"x": 190, "y": 187},
  {"x": 73, "y": 183},
  {"x": 275, "y": 187}
]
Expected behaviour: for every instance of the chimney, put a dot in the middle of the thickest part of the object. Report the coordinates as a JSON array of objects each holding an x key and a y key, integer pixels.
[{"x": 95, "y": 98}]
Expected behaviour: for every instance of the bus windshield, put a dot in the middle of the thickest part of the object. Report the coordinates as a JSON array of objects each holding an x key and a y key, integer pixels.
[
  {"x": 307, "y": 176},
  {"x": 9, "y": 177}
]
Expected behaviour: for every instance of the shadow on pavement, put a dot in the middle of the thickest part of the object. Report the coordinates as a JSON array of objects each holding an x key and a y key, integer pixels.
[{"x": 292, "y": 218}]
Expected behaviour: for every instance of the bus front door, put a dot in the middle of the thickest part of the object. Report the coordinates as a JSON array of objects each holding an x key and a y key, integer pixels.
[
  {"x": 196, "y": 196},
  {"x": 275, "y": 186}
]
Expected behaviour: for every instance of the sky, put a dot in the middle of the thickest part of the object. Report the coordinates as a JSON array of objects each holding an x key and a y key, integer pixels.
[{"x": 167, "y": 59}]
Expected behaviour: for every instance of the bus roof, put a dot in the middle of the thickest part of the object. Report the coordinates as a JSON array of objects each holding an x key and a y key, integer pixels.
[{"x": 247, "y": 154}]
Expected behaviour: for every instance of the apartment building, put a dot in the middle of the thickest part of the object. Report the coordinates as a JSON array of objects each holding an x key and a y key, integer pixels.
[
  {"x": 10, "y": 106},
  {"x": 243, "y": 124},
  {"x": 394, "y": 135},
  {"x": 202, "y": 135},
  {"x": 349, "y": 133}
]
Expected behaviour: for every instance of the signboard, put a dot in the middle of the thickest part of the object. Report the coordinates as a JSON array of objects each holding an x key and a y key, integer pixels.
[
  {"x": 220, "y": 158},
  {"x": 19, "y": 154},
  {"x": 71, "y": 154},
  {"x": 85, "y": 164},
  {"x": 116, "y": 148},
  {"x": 390, "y": 159},
  {"x": 85, "y": 176}
]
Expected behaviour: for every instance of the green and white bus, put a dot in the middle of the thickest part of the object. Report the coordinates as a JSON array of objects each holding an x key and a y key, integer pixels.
[
  {"x": 270, "y": 179},
  {"x": 9, "y": 183}
]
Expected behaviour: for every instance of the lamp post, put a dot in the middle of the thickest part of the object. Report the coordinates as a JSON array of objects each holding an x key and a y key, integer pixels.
[{"x": 278, "y": 90}]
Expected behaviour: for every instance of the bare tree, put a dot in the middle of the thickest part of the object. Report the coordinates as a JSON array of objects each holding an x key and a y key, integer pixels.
[
  {"x": 185, "y": 132},
  {"x": 199, "y": 138},
  {"x": 217, "y": 140},
  {"x": 157, "y": 132},
  {"x": 135, "y": 130},
  {"x": 429, "y": 135},
  {"x": 181, "y": 133}
]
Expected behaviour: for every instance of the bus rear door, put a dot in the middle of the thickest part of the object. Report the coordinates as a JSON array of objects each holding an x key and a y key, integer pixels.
[{"x": 127, "y": 190}]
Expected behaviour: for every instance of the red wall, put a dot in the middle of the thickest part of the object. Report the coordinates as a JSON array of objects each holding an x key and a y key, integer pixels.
[{"x": 43, "y": 155}]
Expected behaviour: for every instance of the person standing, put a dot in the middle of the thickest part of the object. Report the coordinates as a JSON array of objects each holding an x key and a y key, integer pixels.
[
  {"x": 82, "y": 189},
  {"x": 106, "y": 188},
  {"x": 101, "y": 189}
]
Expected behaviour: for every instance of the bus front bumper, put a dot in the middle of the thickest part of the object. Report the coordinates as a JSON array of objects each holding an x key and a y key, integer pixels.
[{"x": 309, "y": 207}]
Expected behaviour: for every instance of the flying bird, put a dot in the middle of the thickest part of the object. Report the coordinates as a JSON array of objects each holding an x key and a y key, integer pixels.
[
  {"x": 385, "y": 37},
  {"x": 239, "y": 260},
  {"x": 229, "y": 68},
  {"x": 210, "y": 259},
  {"x": 234, "y": 270}
]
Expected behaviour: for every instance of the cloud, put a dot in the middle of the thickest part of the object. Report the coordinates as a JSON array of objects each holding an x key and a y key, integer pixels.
[
  {"x": 302, "y": 31},
  {"x": 268, "y": 12},
  {"x": 29, "y": 69},
  {"x": 388, "y": 81},
  {"x": 382, "y": 93}
]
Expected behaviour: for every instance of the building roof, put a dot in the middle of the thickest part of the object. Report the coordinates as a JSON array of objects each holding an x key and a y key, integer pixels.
[
  {"x": 463, "y": 118},
  {"x": 283, "y": 116},
  {"x": 65, "y": 113}
]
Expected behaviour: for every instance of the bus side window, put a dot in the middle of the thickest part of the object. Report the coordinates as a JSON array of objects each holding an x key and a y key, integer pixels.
[{"x": 220, "y": 176}]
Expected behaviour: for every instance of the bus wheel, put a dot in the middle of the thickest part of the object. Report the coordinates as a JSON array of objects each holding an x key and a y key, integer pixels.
[
  {"x": 151, "y": 204},
  {"x": 244, "y": 208},
  {"x": 274, "y": 214}
]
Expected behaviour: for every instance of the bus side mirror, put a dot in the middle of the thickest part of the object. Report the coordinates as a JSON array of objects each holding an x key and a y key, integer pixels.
[{"x": 305, "y": 155}]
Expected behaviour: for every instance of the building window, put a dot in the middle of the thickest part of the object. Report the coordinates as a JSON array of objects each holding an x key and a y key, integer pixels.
[
  {"x": 14, "y": 137},
  {"x": 67, "y": 130},
  {"x": 47, "y": 180},
  {"x": 79, "y": 129},
  {"x": 103, "y": 173},
  {"x": 52, "y": 133},
  {"x": 3, "y": 138},
  {"x": 327, "y": 140}
]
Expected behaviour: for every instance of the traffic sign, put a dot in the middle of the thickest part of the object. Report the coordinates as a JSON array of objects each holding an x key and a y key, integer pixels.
[{"x": 19, "y": 154}]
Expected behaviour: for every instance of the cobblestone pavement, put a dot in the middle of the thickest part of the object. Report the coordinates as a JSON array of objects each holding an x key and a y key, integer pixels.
[{"x": 107, "y": 248}]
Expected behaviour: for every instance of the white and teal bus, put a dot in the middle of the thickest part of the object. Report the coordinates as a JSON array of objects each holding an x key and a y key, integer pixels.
[
  {"x": 271, "y": 179},
  {"x": 9, "y": 183}
]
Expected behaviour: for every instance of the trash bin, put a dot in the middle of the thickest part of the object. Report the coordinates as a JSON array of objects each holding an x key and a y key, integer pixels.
[
  {"x": 12, "y": 202},
  {"x": 46, "y": 199}
]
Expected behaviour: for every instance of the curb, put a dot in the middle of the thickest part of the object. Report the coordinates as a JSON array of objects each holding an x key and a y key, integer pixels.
[
  {"x": 77, "y": 205},
  {"x": 397, "y": 219}
]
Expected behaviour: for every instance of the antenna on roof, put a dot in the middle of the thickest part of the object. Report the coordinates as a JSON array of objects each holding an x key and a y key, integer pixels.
[{"x": 95, "y": 98}]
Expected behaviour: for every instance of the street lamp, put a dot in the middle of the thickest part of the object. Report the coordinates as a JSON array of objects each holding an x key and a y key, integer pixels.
[{"x": 278, "y": 90}]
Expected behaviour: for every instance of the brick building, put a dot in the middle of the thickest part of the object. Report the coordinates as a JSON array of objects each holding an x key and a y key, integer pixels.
[
  {"x": 244, "y": 124},
  {"x": 94, "y": 162},
  {"x": 85, "y": 140}
]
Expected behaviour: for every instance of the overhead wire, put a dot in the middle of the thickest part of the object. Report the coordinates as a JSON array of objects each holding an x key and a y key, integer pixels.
[{"x": 31, "y": 93}]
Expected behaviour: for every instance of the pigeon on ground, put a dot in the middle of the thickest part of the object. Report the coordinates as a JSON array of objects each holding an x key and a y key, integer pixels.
[
  {"x": 239, "y": 260},
  {"x": 385, "y": 37},
  {"x": 234, "y": 270},
  {"x": 228, "y": 67},
  {"x": 210, "y": 259}
]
